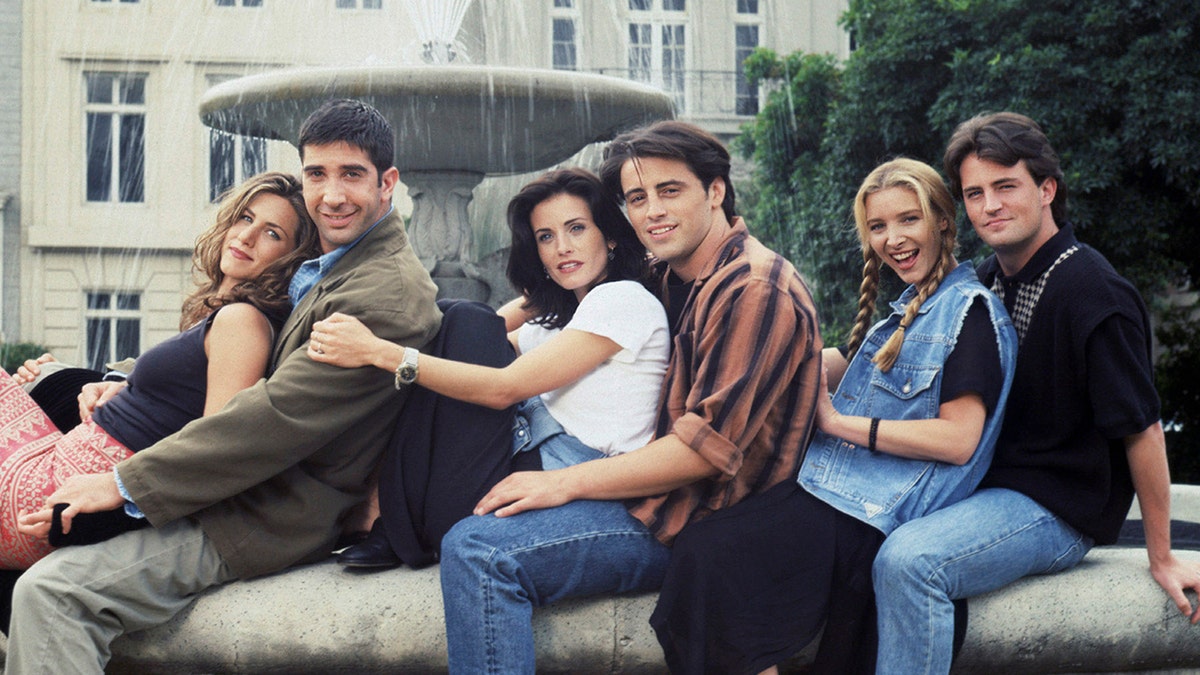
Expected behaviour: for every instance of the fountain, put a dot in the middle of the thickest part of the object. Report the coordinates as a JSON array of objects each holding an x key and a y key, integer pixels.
[{"x": 455, "y": 124}]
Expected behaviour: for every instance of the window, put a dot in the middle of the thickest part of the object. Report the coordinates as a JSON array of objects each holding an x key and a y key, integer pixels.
[
  {"x": 564, "y": 36},
  {"x": 640, "y": 52},
  {"x": 114, "y": 327},
  {"x": 563, "y": 43},
  {"x": 232, "y": 159},
  {"x": 354, "y": 4},
  {"x": 657, "y": 46},
  {"x": 123, "y": 2},
  {"x": 234, "y": 3},
  {"x": 747, "y": 93},
  {"x": 747, "y": 6},
  {"x": 116, "y": 136}
]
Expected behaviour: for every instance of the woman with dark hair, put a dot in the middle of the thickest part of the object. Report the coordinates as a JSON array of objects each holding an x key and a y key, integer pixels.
[
  {"x": 592, "y": 341},
  {"x": 244, "y": 262}
]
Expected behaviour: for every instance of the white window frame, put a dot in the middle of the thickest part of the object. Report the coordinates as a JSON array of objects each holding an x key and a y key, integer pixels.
[
  {"x": 117, "y": 111},
  {"x": 665, "y": 27},
  {"x": 113, "y": 316}
]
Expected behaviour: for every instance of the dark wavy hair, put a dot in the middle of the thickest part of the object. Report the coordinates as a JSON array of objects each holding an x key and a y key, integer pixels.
[
  {"x": 702, "y": 152},
  {"x": 269, "y": 291},
  {"x": 1007, "y": 138},
  {"x": 552, "y": 304}
]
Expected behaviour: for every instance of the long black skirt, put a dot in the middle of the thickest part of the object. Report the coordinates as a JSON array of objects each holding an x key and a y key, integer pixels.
[{"x": 752, "y": 584}]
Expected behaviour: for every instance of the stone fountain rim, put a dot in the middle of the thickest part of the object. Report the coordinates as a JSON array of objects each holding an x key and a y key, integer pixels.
[{"x": 427, "y": 80}]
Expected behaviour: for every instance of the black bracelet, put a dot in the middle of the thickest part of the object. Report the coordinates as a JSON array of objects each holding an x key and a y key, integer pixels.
[{"x": 874, "y": 434}]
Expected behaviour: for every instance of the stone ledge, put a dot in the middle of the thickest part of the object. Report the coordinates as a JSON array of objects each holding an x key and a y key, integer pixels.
[{"x": 1106, "y": 614}]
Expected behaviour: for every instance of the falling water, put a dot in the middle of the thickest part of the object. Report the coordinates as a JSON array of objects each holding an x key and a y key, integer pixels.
[
  {"x": 69, "y": 244},
  {"x": 437, "y": 25}
]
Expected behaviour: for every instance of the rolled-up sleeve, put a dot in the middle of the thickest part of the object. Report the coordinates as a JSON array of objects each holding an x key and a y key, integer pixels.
[
  {"x": 741, "y": 368},
  {"x": 741, "y": 386}
]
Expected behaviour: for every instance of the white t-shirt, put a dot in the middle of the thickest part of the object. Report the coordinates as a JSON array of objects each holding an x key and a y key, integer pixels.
[{"x": 613, "y": 408}]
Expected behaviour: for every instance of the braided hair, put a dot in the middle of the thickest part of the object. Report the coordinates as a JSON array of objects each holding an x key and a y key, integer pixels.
[{"x": 937, "y": 208}]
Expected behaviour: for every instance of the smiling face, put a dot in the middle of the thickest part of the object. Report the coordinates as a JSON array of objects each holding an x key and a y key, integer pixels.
[
  {"x": 675, "y": 217},
  {"x": 571, "y": 247},
  {"x": 264, "y": 232},
  {"x": 343, "y": 191},
  {"x": 901, "y": 234},
  {"x": 1009, "y": 210}
]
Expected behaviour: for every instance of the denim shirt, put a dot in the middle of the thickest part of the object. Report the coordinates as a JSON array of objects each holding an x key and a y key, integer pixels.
[
  {"x": 883, "y": 490},
  {"x": 534, "y": 428}
]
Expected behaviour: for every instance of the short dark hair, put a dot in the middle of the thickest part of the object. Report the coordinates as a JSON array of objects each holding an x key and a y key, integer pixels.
[
  {"x": 553, "y": 304},
  {"x": 353, "y": 122},
  {"x": 671, "y": 139},
  {"x": 1006, "y": 138}
]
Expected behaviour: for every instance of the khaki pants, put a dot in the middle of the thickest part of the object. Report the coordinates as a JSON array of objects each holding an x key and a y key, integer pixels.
[{"x": 71, "y": 605}]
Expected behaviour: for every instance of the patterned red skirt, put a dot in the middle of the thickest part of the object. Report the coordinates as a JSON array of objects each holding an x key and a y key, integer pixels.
[{"x": 35, "y": 458}]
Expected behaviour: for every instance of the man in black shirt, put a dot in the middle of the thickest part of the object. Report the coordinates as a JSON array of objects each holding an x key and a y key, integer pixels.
[{"x": 1082, "y": 432}]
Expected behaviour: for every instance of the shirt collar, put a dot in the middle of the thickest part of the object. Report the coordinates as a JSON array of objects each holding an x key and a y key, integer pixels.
[
  {"x": 312, "y": 271},
  {"x": 737, "y": 234},
  {"x": 1045, "y": 256}
]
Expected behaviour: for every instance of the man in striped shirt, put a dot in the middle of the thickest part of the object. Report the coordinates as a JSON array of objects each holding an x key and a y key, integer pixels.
[{"x": 736, "y": 413}]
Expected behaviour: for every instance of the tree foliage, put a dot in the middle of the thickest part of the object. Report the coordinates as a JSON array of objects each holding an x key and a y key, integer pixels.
[
  {"x": 1114, "y": 83},
  {"x": 14, "y": 354}
]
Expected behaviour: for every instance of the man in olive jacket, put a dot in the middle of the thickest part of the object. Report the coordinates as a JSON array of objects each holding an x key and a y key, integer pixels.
[{"x": 264, "y": 483}]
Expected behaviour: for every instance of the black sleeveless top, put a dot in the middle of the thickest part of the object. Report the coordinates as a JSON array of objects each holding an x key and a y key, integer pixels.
[{"x": 167, "y": 389}]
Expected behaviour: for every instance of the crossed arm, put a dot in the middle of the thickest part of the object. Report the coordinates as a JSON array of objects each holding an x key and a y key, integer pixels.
[{"x": 950, "y": 437}]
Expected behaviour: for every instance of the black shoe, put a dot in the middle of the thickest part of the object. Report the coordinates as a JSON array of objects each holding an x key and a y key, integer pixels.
[{"x": 374, "y": 551}]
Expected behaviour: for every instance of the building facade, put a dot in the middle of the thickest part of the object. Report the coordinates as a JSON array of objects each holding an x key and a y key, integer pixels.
[
  {"x": 117, "y": 175},
  {"x": 10, "y": 168}
]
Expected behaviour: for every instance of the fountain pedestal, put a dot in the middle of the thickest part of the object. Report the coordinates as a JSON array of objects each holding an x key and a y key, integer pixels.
[{"x": 440, "y": 230}]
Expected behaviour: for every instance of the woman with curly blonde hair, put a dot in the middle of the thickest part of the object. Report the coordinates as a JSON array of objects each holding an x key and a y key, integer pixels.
[
  {"x": 910, "y": 429},
  {"x": 244, "y": 263}
]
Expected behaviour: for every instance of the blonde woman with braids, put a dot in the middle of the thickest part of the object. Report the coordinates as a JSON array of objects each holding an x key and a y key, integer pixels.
[
  {"x": 910, "y": 429},
  {"x": 244, "y": 263}
]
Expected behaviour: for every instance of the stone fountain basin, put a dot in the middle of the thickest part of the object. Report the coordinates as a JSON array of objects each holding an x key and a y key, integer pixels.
[
  {"x": 1106, "y": 614},
  {"x": 480, "y": 119}
]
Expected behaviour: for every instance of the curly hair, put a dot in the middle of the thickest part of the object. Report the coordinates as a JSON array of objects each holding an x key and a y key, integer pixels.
[
  {"x": 269, "y": 291},
  {"x": 937, "y": 207},
  {"x": 552, "y": 304}
]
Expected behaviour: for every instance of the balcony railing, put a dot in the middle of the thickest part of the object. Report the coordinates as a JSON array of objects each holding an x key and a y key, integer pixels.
[{"x": 705, "y": 94}]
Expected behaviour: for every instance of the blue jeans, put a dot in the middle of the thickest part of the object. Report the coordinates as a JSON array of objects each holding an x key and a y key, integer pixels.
[
  {"x": 982, "y": 543},
  {"x": 496, "y": 570}
]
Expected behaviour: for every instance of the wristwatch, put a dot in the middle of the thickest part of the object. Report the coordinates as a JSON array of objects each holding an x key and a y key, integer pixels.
[{"x": 406, "y": 372}]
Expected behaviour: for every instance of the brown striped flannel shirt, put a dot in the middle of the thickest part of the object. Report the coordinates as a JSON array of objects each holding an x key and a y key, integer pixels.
[{"x": 742, "y": 382}]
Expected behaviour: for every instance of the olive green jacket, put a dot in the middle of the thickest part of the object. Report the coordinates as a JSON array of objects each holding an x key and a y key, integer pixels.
[{"x": 271, "y": 476}]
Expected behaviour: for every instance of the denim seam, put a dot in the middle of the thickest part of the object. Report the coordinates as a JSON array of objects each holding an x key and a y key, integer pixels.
[{"x": 937, "y": 571}]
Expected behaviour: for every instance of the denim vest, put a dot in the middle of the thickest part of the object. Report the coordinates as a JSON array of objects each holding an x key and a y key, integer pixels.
[{"x": 883, "y": 490}]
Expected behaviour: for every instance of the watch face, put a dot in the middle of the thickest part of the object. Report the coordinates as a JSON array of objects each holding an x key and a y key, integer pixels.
[{"x": 407, "y": 374}]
